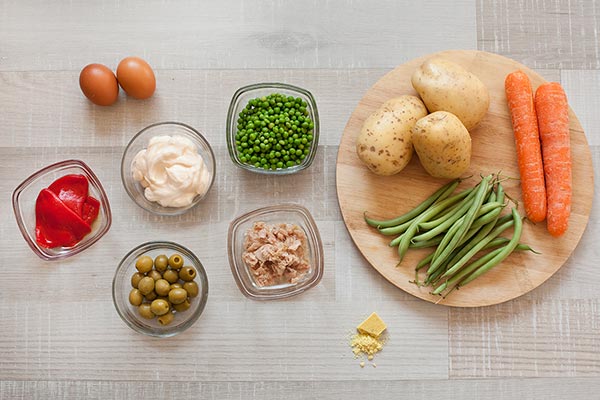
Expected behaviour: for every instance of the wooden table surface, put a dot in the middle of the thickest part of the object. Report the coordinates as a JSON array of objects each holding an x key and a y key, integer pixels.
[{"x": 60, "y": 336}]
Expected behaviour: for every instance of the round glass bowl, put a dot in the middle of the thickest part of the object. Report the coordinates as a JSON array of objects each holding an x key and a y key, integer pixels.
[
  {"x": 122, "y": 286},
  {"x": 239, "y": 101},
  {"x": 135, "y": 190},
  {"x": 279, "y": 214},
  {"x": 25, "y": 196}
]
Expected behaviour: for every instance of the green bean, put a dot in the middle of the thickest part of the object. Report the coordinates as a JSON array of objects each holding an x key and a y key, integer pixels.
[
  {"x": 426, "y": 243},
  {"x": 425, "y": 226},
  {"x": 395, "y": 230},
  {"x": 441, "y": 253},
  {"x": 450, "y": 219},
  {"x": 478, "y": 245},
  {"x": 440, "y": 222},
  {"x": 429, "y": 213},
  {"x": 504, "y": 251},
  {"x": 439, "y": 194},
  {"x": 424, "y": 262}
]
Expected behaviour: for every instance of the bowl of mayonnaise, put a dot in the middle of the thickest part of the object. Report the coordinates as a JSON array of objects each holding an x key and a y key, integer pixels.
[{"x": 168, "y": 168}]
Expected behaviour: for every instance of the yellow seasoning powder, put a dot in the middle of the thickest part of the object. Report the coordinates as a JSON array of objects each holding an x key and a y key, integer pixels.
[{"x": 368, "y": 341}]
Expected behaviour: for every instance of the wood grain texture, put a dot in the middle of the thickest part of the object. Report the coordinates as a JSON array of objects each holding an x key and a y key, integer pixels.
[
  {"x": 70, "y": 329},
  {"x": 507, "y": 389},
  {"x": 229, "y": 34},
  {"x": 541, "y": 34},
  {"x": 67, "y": 342},
  {"x": 359, "y": 190},
  {"x": 47, "y": 108},
  {"x": 552, "y": 338}
]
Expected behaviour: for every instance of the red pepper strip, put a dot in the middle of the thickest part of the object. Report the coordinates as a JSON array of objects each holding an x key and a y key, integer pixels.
[
  {"x": 72, "y": 190},
  {"x": 57, "y": 225},
  {"x": 90, "y": 211}
]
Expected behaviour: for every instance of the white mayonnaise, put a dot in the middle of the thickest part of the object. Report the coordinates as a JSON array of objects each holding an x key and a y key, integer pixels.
[{"x": 171, "y": 171}]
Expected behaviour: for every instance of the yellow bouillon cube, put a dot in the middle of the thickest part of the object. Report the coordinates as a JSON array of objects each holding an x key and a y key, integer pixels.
[{"x": 373, "y": 326}]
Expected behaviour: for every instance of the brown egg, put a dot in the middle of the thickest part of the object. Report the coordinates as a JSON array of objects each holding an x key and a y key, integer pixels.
[
  {"x": 136, "y": 77},
  {"x": 99, "y": 84}
]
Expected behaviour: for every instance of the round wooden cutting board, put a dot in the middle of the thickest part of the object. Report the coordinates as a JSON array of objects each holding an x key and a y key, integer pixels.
[{"x": 493, "y": 150}]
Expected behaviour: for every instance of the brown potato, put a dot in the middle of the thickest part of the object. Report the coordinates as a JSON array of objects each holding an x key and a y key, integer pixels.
[
  {"x": 446, "y": 86},
  {"x": 443, "y": 145},
  {"x": 384, "y": 143}
]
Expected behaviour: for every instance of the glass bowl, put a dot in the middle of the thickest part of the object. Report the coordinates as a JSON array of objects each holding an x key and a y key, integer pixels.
[
  {"x": 238, "y": 103},
  {"x": 122, "y": 286},
  {"x": 284, "y": 213},
  {"x": 140, "y": 141},
  {"x": 24, "y": 199}
]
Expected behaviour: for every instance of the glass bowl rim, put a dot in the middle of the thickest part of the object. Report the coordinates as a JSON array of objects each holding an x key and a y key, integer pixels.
[
  {"x": 104, "y": 202},
  {"x": 200, "y": 270},
  {"x": 175, "y": 210},
  {"x": 230, "y": 132},
  {"x": 312, "y": 235}
]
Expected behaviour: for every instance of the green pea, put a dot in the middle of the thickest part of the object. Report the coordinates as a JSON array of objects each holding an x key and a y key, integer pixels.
[{"x": 272, "y": 131}]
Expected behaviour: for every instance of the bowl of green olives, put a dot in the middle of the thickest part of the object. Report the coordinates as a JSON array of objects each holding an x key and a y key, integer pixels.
[{"x": 160, "y": 289}]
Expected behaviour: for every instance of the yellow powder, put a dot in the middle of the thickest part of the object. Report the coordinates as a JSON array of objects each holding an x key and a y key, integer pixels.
[
  {"x": 367, "y": 341},
  {"x": 365, "y": 344}
]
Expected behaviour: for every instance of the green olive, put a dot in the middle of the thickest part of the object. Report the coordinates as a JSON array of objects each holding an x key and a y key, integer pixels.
[
  {"x": 136, "y": 278},
  {"x": 165, "y": 298},
  {"x": 161, "y": 263},
  {"x": 187, "y": 274},
  {"x": 166, "y": 319},
  {"x": 146, "y": 311},
  {"x": 176, "y": 285},
  {"x": 159, "y": 307},
  {"x": 144, "y": 264},
  {"x": 135, "y": 297},
  {"x": 154, "y": 274},
  {"x": 146, "y": 285},
  {"x": 182, "y": 306},
  {"x": 151, "y": 296},
  {"x": 191, "y": 288},
  {"x": 176, "y": 261},
  {"x": 177, "y": 296},
  {"x": 162, "y": 287},
  {"x": 171, "y": 276}
]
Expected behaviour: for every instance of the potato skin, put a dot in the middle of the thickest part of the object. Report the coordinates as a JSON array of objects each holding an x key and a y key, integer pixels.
[
  {"x": 443, "y": 145},
  {"x": 446, "y": 86},
  {"x": 384, "y": 143}
]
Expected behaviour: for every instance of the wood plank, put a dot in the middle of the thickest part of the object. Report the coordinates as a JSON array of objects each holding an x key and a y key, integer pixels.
[
  {"x": 509, "y": 389},
  {"x": 541, "y": 34},
  {"x": 47, "y": 108},
  {"x": 62, "y": 336},
  {"x": 582, "y": 88},
  {"x": 230, "y": 34},
  {"x": 524, "y": 338}
]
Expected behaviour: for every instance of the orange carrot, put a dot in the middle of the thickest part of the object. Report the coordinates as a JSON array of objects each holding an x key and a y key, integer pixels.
[
  {"x": 525, "y": 126},
  {"x": 553, "y": 121}
]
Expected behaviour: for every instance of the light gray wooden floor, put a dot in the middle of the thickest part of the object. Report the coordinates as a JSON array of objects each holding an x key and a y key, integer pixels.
[{"x": 60, "y": 336}]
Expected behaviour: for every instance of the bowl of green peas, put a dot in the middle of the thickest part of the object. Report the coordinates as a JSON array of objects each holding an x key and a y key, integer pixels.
[{"x": 272, "y": 128}]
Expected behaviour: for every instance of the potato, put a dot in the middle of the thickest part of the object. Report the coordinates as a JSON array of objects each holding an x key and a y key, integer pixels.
[
  {"x": 446, "y": 86},
  {"x": 384, "y": 143},
  {"x": 443, "y": 144}
]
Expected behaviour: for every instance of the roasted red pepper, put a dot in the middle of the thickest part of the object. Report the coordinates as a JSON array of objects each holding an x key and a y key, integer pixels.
[
  {"x": 65, "y": 212},
  {"x": 71, "y": 190}
]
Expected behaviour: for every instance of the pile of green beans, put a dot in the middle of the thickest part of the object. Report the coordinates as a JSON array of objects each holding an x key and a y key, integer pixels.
[{"x": 463, "y": 229}]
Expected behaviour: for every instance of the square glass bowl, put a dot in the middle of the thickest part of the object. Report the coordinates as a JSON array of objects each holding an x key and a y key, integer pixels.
[
  {"x": 284, "y": 213},
  {"x": 239, "y": 101},
  {"x": 122, "y": 286},
  {"x": 24, "y": 199},
  {"x": 135, "y": 190}
]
